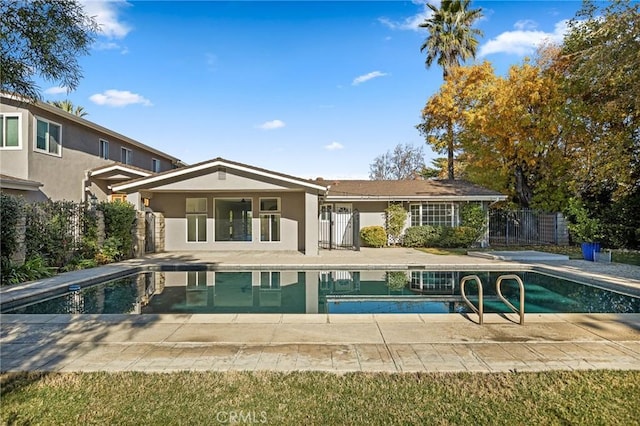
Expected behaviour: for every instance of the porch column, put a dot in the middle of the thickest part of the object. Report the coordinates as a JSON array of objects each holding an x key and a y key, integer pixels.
[{"x": 310, "y": 224}]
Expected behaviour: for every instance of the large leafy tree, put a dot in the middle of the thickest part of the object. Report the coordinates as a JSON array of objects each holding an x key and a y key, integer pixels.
[
  {"x": 601, "y": 61},
  {"x": 404, "y": 162},
  {"x": 68, "y": 106},
  {"x": 451, "y": 41},
  {"x": 42, "y": 38}
]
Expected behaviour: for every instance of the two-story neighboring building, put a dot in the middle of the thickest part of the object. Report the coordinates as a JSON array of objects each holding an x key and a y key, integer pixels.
[{"x": 48, "y": 153}]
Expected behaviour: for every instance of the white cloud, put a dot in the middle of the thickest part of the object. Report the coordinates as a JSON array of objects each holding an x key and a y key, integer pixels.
[
  {"x": 333, "y": 146},
  {"x": 119, "y": 98},
  {"x": 412, "y": 23},
  {"x": 273, "y": 124},
  {"x": 525, "y": 24},
  {"x": 106, "y": 13},
  {"x": 56, "y": 90},
  {"x": 522, "y": 42},
  {"x": 367, "y": 77}
]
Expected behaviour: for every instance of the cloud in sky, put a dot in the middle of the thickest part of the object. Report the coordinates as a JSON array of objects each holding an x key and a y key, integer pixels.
[
  {"x": 367, "y": 77},
  {"x": 412, "y": 22},
  {"x": 333, "y": 146},
  {"x": 524, "y": 40},
  {"x": 271, "y": 125},
  {"x": 119, "y": 98},
  {"x": 56, "y": 90},
  {"x": 106, "y": 13}
]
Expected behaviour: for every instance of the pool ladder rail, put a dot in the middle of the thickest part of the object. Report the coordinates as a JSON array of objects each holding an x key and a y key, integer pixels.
[{"x": 479, "y": 310}]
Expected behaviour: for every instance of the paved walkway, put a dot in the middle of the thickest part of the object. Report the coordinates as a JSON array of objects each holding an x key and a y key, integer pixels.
[{"x": 338, "y": 343}]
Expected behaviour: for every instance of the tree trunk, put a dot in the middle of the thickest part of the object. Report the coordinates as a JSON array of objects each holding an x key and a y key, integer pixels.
[{"x": 450, "y": 150}]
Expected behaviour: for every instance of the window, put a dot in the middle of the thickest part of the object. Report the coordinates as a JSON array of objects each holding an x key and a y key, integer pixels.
[
  {"x": 118, "y": 197},
  {"x": 104, "y": 149},
  {"x": 196, "y": 220},
  {"x": 233, "y": 219},
  {"x": 48, "y": 137},
  {"x": 10, "y": 131},
  {"x": 270, "y": 219},
  {"x": 196, "y": 278},
  {"x": 434, "y": 214},
  {"x": 155, "y": 165},
  {"x": 126, "y": 156}
]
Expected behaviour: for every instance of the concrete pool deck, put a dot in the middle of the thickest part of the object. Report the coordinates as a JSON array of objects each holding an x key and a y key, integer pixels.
[{"x": 325, "y": 342}]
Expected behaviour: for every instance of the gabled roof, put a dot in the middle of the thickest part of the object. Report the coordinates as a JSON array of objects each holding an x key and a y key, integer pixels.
[
  {"x": 118, "y": 171},
  {"x": 404, "y": 190},
  {"x": 211, "y": 166},
  {"x": 11, "y": 182}
]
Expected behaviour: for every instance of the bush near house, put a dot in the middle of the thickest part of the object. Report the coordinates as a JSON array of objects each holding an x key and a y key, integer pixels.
[
  {"x": 421, "y": 236},
  {"x": 60, "y": 236},
  {"x": 373, "y": 236}
]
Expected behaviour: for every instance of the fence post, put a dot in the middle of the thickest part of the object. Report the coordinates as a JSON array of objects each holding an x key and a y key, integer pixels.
[
  {"x": 159, "y": 232},
  {"x": 139, "y": 234},
  {"x": 356, "y": 230}
]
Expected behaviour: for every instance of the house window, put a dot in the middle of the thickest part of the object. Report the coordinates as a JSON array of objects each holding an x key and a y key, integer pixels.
[
  {"x": 196, "y": 220},
  {"x": 155, "y": 165},
  {"x": 118, "y": 197},
  {"x": 434, "y": 214},
  {"x": 10, "y": 131},
  {"x": 196, "y": 278},
  {"x": 48, "y": 137},
  {"x": 104, "y": 149},
  {"x": 270, "y": 219},
  {"x": 233, "y": 219},
  {"x": 126, "y": 156}
]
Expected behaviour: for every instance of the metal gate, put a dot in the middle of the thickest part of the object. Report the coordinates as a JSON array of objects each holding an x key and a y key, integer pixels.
[
  {"x": 149, "y": 232},
  {"x": 338, "y": 230},
  {"x": 525, "y": 227}
]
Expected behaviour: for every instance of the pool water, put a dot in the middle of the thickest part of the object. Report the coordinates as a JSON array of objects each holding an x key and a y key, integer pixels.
[{"x": 325, "y": 292}]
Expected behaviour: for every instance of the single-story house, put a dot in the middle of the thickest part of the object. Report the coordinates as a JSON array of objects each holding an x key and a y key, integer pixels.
[{"x": 225, "y": 205}]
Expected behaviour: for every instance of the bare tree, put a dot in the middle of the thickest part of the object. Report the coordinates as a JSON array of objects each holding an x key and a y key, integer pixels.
[{"x": 404, "y": 162}]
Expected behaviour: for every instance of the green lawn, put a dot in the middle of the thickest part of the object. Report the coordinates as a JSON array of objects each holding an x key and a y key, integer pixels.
[{"x": 582, "y": 398}]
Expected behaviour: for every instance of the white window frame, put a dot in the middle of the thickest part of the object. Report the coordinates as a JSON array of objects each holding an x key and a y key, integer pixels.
[
  {"x": 453, "y": 214},
  {"x": 35, "y": 137},
  {"x": 196, "y": 213},
  {"x": 250, "y": 220},
  {"x": 155, "y": 165},
  {"x": 126, "y": 153},
  {"x": 270, "y": 280},
  {"x": 269, "y": 214},
  {"x": 103, "y": 149},
  {"x": 3, "y": 117}
]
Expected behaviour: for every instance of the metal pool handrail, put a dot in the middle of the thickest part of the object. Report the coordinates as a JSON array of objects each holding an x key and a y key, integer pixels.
[
  {"x": 504, "y": 299},
  {"x": 480, "y": 309}
]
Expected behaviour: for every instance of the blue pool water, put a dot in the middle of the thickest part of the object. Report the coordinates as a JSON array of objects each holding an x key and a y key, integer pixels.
[{"x": 324, "y": 292}]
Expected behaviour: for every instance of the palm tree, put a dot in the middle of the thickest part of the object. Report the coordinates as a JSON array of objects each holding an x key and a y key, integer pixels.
[
  {"x": 451, "y": 41},
  {"x": 68, "y": 106}
]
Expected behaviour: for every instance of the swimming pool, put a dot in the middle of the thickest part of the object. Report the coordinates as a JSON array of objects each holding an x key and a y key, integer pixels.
[{"x": 313, "y": 291}]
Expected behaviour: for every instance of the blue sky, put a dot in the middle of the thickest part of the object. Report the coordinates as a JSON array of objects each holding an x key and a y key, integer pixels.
[{"x": 305, "y": 88}]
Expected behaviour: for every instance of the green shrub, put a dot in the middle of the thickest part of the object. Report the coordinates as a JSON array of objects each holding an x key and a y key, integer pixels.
[
  {"x": 395, "y": 219},
  {"x": 473, "y": 216},
  {"x": 396, "y": 280},
  {"x": 421, "y": 236},
  {"x": 33, "y": 269},
  {"x": 460, "y": 236},
  {"x": 119, "y": 218},
  {"x": 373, "y": 236},
  {"x": 10, "y": 210}
]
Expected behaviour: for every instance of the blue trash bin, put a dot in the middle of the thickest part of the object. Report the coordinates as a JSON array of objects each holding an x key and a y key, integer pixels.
[{"x": 588, "y": 249}]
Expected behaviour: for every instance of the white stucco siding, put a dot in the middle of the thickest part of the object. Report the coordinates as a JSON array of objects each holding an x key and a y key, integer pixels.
[{"x": 220, "y": 181}]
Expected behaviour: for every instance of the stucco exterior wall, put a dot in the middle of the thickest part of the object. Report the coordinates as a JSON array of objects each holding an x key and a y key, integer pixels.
[
  {"x": 63, "y": 177},
  {"x": 293, "y": 227}
]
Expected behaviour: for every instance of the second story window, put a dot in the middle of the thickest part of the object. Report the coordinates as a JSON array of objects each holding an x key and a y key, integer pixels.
[
  {"x": 10, "y": 131},
  {"x": 48, "y": 137},
  {"x": 104, "y": 149},
  {"x": 155, "y": 165},
  {"x": 126, "y": 156}
]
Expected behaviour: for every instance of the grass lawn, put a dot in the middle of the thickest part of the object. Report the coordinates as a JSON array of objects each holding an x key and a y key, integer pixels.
[{"x": 310, "y": 398}]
